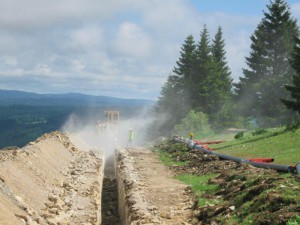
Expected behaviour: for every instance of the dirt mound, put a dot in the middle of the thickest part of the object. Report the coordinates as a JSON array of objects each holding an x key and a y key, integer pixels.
[
  {"x": 50, "y": 181},
  {"x": 199, "y": 163}
]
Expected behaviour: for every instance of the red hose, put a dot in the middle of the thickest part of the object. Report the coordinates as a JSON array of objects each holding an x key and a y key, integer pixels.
[{"x": 262, "y": 160}]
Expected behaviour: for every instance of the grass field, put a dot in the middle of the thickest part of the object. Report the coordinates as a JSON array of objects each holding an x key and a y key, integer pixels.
[{"x": 283, "y": 146}]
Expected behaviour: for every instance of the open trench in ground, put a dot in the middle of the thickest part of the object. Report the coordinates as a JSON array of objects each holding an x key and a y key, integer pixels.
[
  {"x": 109, "y": 202},
  {"x": 138, "y": 189},
  {"x": 58, "y": 180}
]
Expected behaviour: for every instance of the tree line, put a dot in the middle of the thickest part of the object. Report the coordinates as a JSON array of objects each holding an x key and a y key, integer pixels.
[{"x": 268, "y": 94}]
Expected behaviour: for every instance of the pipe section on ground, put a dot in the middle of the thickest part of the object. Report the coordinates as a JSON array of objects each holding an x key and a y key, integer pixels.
[
  {"x": 298, "y": 168},
  {"x": 281, "y": 168}
]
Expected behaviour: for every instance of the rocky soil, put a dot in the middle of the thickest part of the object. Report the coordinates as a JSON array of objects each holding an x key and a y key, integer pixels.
[{"x": 54, "y": 180}]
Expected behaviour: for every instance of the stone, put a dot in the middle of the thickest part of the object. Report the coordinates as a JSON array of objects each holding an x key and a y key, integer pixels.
[
  {"x": 53, "y": 211},
  {"x": 166, "y": 215},
  {"x": 52, "y": 198},
  {"x": 232, "y": 208},
  {"x": 21, "y": 203},
  {"x": 80, "y": 208},
  {"x": 21, "y": 217}
]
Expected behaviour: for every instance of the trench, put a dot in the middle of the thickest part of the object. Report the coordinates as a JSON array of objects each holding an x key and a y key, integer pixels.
[
  {"x": 109, "y": 201},
  {"x": 138, "y": 189}
]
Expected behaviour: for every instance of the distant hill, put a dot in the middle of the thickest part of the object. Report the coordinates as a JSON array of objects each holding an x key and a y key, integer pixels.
[
  {"x": 25, "y": 116},
  {"x": 12, "y": 97}
]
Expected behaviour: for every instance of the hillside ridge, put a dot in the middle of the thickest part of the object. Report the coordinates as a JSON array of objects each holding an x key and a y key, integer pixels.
[{"x": 11, "y": 97}]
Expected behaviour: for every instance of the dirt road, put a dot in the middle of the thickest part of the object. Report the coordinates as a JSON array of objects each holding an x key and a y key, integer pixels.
[{"x": 152, "y": 195}]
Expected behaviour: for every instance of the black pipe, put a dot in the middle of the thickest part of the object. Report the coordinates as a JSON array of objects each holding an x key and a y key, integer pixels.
[
  {"x": 281, "y": 168},
  {"x": 180, "y": 140},
  {"x": 235, "y": 159}
]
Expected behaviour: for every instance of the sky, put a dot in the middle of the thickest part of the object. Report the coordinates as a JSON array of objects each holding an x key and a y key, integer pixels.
[{"x": 118, "y": 48}]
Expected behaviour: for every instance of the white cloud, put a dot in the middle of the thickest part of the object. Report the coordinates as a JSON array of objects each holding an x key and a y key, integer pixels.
[
  {"x": 16, "y": 14},
  {"x": 9, "y": 60},
  {"x": 78, "y": 65},
  {"x": 132, "y": 41},
  {"x": 121, "y": 48},
  {"x": 86, "y": 37},
  {"x": 42, "y": 70},
  {"x": 173, "y": 16}
]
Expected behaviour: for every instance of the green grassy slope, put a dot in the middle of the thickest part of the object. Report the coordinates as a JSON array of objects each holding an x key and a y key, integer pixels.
[
  {"x": 231, "y": 194},
  {"x": 283, "y": 146}
]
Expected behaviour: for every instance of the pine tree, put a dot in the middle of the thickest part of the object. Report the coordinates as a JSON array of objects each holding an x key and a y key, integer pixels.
[
  {"x": 218, "y": 53},
  {"x": 212, "y": 81},
  {"x": 247, "y": 88},
  {"x": 221, "y": 83},
  {"x": 262, "y": 87},
  {"x": 222, "y": 74},
  {"x": 183, "y": 71},
  {"x": 200, "y": 81},
  {"x": 200, "y": 88},
  {"x": 295, "y": 89}
]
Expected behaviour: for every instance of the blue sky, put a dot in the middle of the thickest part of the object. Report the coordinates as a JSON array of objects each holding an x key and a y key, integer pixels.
[
  {"x": 254, "y": 7},
  {"x": 120, "y": 48}
]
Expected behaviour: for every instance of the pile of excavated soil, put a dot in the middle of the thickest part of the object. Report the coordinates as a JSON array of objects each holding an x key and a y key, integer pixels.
[
  {"x": 148, "y": 193},
  {"x": 258, "y": 196},
  {"x": 54, "y": 180},
  {"x": 199, "y": 163},
  {"x": 246, "y": 195}
]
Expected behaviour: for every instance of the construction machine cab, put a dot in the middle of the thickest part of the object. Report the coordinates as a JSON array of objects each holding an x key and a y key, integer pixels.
[{"x": 112, "y": 117}]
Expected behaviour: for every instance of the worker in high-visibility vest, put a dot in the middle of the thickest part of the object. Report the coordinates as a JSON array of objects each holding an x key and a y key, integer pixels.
[
  {"x": 131, "y": 136},
  {"x": 191, "y": 135}
]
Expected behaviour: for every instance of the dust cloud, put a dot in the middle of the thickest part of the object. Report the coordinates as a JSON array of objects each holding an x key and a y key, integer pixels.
[{"x": 106, "y": 137}]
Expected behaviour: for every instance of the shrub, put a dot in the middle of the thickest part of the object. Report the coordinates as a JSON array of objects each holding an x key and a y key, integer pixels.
[
  {"x": 195, "y": 122},
  {"x": 239, "y": 135},
  {"x": 259, "y": 132},
  {"x": 293, "y": 127}
]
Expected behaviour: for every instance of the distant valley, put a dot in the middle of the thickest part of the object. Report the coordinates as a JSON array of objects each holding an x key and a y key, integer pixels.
[{"x": 24, "y": 116}]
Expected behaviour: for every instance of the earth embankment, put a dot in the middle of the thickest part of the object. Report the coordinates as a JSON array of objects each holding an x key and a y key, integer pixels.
[{"x": 54, "y": 180}]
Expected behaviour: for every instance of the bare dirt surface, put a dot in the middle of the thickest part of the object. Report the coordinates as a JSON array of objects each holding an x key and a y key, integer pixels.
[
  {"x": 171, "y": 198},
  {"x": 54, "y": 180},
  {"x": 152, "y": 195}
]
